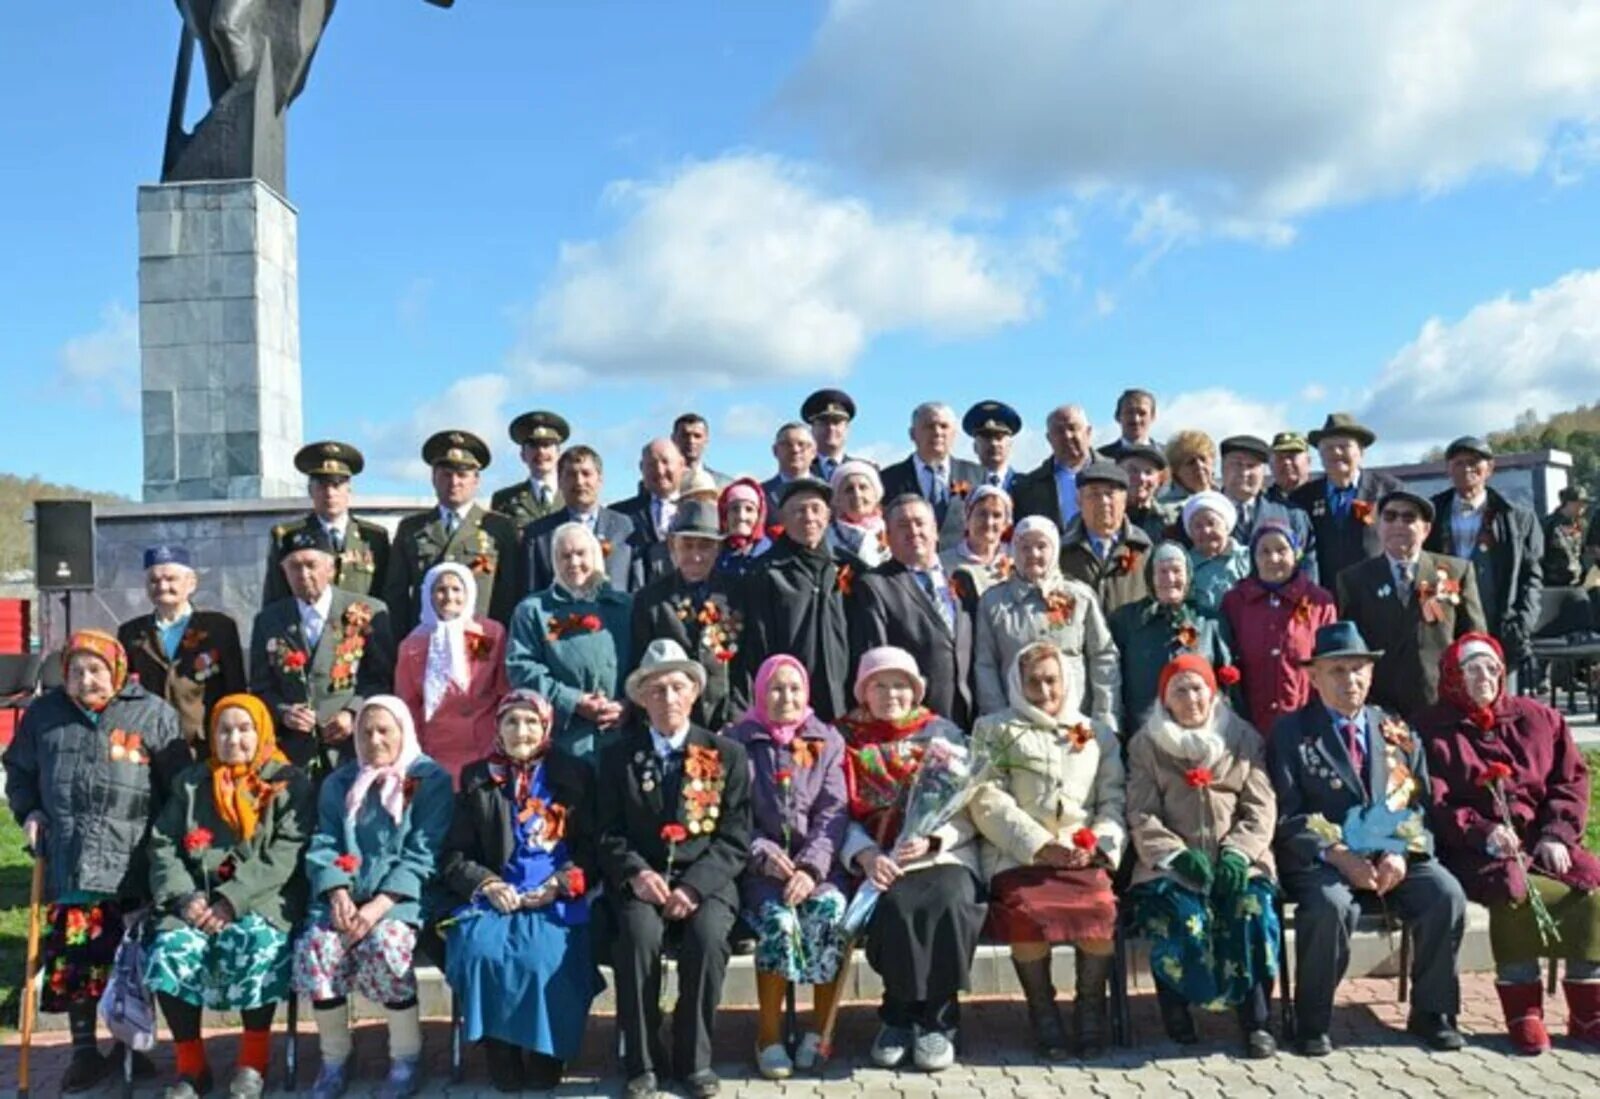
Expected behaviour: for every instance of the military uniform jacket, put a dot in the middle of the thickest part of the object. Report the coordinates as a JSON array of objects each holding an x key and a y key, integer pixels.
[
  {"x": 354, "y": 659},
  {"x": 361, "y": 569},
  {"x": 1508, "y": 559},
  {"x": 965, "y": 476},
  {"x": 1349, "y": 538},
  {"x": 1413, "y": 634},
  {"x": 209, "y": 665},
  {"x": 708, "y": 627},
  {"x": 518, "y": 503},
  {"x": 484, "y": 542}
]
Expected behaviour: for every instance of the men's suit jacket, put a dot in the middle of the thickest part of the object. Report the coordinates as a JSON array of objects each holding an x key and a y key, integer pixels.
[
  {"x": 1508, "y": 561},
  {"x": 613, "y": 530},
  {"x": 889, "y": 607},
  {"x": 902, "y": 478},
  {"x": 1407, "y": 676},
  {"x": 209, "y": 664},
  {"x": 277, "y": 633},
  {"x": 1034, "y": 493},
  {"x": 649, "y": 559},
  {"x": 362, "y": 568},
  {"x": 1347, "y": 539},
  {"x": 666, "y": 608},
  {"x": 484, "y": 542}
]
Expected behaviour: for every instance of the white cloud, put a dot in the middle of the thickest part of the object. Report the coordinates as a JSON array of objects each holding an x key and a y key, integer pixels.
[
  {"x": 476, "y": 403},
  {"x": 743, "y": 266},
  {"x": 103, "y": 363},
  {"x": 749, "y": 421},
  {"x": 1233, "y": 117},
  {"x": 1474, "y": 375},
  {"x": 1221, "y": 412}
]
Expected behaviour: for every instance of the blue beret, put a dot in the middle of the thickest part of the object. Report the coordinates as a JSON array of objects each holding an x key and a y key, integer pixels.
[{"x": 167, "y": 555}]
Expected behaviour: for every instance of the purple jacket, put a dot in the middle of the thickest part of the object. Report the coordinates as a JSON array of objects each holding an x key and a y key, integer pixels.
[
  {"x": 816, "y": 809},
  {"x": 1548, "y": 793}
]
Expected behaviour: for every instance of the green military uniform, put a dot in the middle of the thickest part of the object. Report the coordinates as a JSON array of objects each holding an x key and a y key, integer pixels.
[
  {"x": 519, "y": 502},
  {"x": 484, "y": 541},
  {"x": 361, "y": 556}
]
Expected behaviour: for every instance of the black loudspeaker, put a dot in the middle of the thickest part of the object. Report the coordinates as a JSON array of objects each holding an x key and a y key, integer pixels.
[{"x": 63, "y": 545}]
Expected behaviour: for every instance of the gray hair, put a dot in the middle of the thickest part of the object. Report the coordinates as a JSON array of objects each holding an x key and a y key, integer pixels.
[
  {"x": 1061, "y": 412},
  {"x": 926, "y": 410},
  {"x": 792, "y": 425},
  {"x": 903, "y": 501}
]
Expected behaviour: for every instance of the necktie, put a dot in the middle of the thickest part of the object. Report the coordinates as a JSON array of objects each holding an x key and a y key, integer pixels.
[
  {"x": 313, "y": 628},
  {"x": 336, "y": 537},
  {"x": 542, "y": 493},
  {"x": 930, "y": 588},
  {"x": 451, "y": 522},
  {"x": 939, "y": 487},
  {"x": 1353, "y": 745},
  {"x": 672, "y": 776},
  {"x": 994, "y": 479},
  {"x": 1403, "y": 580}
]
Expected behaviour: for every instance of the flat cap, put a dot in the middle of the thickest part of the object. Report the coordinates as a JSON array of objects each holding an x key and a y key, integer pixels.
[
  {"x": 991, "y": 418},
  {"x": 329, "y": 459},
  {"x": 1108, "y": 473},
  {"x": 1151, "y": 454},
  {"x": 1468, "y": 444},
  {"x": 539, "y": 427},
  {"x": 1574, "y": 494},
  {"x": 1422, "y": 503},
  {"x": 456, "y": 449},
  {"x": 803, "y": 486},
  {"x": 1245, "y": 444},
  {"x": 828, "y": 403}
]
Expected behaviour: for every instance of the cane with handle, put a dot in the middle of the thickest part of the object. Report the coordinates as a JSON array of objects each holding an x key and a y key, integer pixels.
[{"x": 30, "y": 973}]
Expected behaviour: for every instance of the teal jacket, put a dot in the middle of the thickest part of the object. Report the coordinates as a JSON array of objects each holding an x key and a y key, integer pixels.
[
  {"x": 1148, "y": 635},
  {"x": 577, "y": 661}
]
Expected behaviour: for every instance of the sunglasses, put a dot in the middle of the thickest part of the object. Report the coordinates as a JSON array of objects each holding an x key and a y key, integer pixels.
[{"x": 1391, "y": 515}]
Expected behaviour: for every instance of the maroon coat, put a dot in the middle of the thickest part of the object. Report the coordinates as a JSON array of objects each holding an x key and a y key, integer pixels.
[
  {"x": 1272, "y": 633},
  {"x": 1548, "y": 794}
]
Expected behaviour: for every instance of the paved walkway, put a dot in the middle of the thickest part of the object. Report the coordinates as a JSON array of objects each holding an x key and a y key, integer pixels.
[{"x": 1373, "y": 1058}]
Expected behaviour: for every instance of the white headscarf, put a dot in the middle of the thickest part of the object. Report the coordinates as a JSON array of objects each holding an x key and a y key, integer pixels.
[
  {"x": 390, "y": 779},
  {"x": 1018, "y": 698},
  {"x": 447, "y": 641},
  {"x": 564, "y": 533},
  {"x": 1200, "y": 747},
  {"x": 1038, "y": 524}
]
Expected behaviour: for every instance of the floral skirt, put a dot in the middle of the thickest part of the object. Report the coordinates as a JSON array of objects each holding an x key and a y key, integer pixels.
[
  {"x": 378, "y": 966},
  {"x": 1043, "y": 904},
  {"x": 79, "y": 944},
  {"x": 802, "y": 944},
  {"x": 1209, "y": 953},
  {"x": 243, "y": 966},
  {"x": 1514, "y": 930}
]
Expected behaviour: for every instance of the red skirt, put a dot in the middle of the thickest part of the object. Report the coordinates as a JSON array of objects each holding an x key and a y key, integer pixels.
[{"x": 1031, "y": 904}]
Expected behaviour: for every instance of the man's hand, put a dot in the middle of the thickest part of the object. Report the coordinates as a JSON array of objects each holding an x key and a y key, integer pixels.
[
  {"x": 298, "y": 718},
  {"x": 341, "y": 910},
  {"x": 34, "y": 830},
  {"x": 680, "y": 905},
  {"x": 502, "y": 897},
  {"x": 542, "y": 896},
  {"x": 1555, "y": 856},
  {"x": 1391, "y": 871},
  {"x": 650, "y": 887},
  {"x": 1353, "y": 868},
  {"x": 339, "y": 727},
  {"x": 798, "y": 888}
]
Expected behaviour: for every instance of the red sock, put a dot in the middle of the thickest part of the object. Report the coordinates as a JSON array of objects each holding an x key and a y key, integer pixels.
[
  {"x": 255, "y": 1049},
  {"x": 191, "y": 1058}
]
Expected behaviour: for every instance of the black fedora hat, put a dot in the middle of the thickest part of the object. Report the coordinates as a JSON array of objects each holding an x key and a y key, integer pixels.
[
  {"x": 1340, "y": 639},
  {"x": 1342, "y": 423}
]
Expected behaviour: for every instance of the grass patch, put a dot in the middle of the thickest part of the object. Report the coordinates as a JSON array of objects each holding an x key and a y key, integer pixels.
[
  {"x": 1591, "y": 838},
  {"x": 16, "y": 874}
]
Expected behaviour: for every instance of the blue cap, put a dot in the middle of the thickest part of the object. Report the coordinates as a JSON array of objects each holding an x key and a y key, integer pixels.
[
  {"x": 167, "y": 555},
  {"x": 991, "y": 418}
]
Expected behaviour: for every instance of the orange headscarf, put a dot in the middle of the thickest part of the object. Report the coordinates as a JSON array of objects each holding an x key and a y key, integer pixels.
[
  {"x": 101, "y": 644},
  {"x": 237, "y": 789}
]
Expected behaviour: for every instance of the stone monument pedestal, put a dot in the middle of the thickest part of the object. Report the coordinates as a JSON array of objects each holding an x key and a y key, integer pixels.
[{"x": 219, "y": 341}]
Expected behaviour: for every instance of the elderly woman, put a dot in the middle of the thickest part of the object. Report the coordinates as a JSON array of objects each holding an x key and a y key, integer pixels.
[
  {"x": 925, "y": 928},
  {"x": 1201, "y": 813},
  {"x": 792, "y": 892},
  {"x": 223, "y": 860},
  {"x": 87, "y": 772},
  {"x": 1511, "y": 802},
  {"x": 518, "y": 862},
  {"x": 983, "y": 556},
  {"x": 1216, "y": 561},
  {"x": 451, "y": 670},
  {"x": 742, "y": 515},
  {"x": 857, "y": 534},
  {"x": 1273, "y": 616},
  {"x": 570, "y": 643},
  {"x": 1039, "y": 603},
  {"x": 381, "y": 822},
  {"x": 1159, "y": 627},
  {"x": 1051, "y": 819},
  {"x": 1192, "y": 463}
]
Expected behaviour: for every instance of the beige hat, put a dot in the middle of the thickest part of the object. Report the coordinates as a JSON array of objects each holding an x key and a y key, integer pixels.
[{"x": 662, "y": 656}]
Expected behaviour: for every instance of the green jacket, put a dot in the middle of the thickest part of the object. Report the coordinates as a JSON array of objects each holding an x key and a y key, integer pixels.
[{"x": 263, "y": 874}]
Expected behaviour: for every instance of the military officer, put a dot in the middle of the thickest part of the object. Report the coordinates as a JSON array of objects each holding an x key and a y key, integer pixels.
[
  {"x": 457, "y": 529},
  {"x": 541, "y": 436},
  {"x": 829, "y": 412},
  {"x": 361, "y": 547},
  {"x": 993, "y": 426}
]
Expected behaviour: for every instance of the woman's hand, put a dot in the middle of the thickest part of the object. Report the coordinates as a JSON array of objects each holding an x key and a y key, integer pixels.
[
  {"x": 911, "y": 850},
  {"x": 542, "y": 896},
  {"x": 195, "y": 912},
  {"x": 774, "y": 862},
  {"x": 881, "y": 870},
  {"x": 367, "y": 917},
  {"x": 799, "y": 887},
  {"x": 1063, "y": 858},
  {"x": 218, "y": 916},
  {"x": 1554, "y": 855},
  {"x": 1503, "y": 841},
  {"x": 502, "y": 897},
  {"x": 341, "y": 910},
  {"x": 34, "y": 830}
]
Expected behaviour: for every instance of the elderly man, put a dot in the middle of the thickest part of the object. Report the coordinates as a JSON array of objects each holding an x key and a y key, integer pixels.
[
  {"x": 673, "y": 836},
  {"x": 691, "y": 434},
  {"x": 911, "y": 603},
  {"x": 829, "y": 412},
  {"x": 582, "y": 478},
  {"x": 191, "y": 658},
  {"x": 1501, "y": 539},
  {"x": 1342, "y": 501},
  {"x": 1564, "y": 563},
  {"x": 651, "y": 511},
  {"x": 1102, "y": 548},
  {"x": 1412, "y": 602},
  {"x": 930, "y": 471},
  {"x": 993, "y": 427},
  {"x": 693, "y": 606},
  {"x": 317, "y": 654},
  {"x": 1291, "y": 465},
  {"x": 539, "y": 436},
  {"x": 456, "y": 529},
  {"x": 1136, "y": 415},
  {"x": 1353, "y": 797},
  {"x": 1052, "y": 489},
  {"x": 1146, "y": 467},
  {"x": 796, "y": 604},
  {"x": 796, "y": 453},
  {"x": 362, "y": 546},
  {"x": 1244, "y": 482}
]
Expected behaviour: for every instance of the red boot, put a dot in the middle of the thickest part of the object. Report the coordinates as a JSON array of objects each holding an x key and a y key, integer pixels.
[
  {"x": 1524, "y": 1008},
  {"x": 1583, "y": 1011}
]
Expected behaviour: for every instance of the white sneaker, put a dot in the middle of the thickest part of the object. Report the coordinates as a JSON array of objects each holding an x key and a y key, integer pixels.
[
  {"x": 891, "y": 1046},
  {"x": 934, "y": 1052},
  {"x": 808, "y": 1058},
  {"x": 773, "y": 1062}
]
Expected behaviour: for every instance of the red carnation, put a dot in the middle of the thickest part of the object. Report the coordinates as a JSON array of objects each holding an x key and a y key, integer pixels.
[
  {"x": 347, "y": 863},
  {"x": 1228, "y": 675},
  {"x": 1495, "y": 773},
  {"x": 591, "y": 622},
  {"x": 783, "y": 777},
  {"x": 294, "y": 660},
  {"x": 197, "y": 840},
  {"x": 1198, "y": 778},
  {"x": 577, "y": 884},
  {"x": 775, "y": 531},
  {"x": 1084, "y": 839},
  {"x": 674, "y": 833},
  {"x": 724, "y": 656}
]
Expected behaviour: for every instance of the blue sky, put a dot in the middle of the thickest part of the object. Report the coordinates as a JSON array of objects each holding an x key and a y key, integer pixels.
[{"x": 623, "y": 210}]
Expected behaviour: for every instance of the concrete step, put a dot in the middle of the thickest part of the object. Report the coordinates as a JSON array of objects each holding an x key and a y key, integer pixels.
[{"x": 1372, "y": 954}]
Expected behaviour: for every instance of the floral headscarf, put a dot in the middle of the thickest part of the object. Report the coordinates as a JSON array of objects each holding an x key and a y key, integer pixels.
[
  {"x": 390, "y": 778},
  {"x": 237, "y": 789},
  {"x": 518, "y": 773},
  {"x": 447, "y": 641},
  {"x": 103, "y": 645},
  {"x": 745, "y": 488},
  {"x": 781, "y": 734},
  {"x": 1453, "y": 680}
]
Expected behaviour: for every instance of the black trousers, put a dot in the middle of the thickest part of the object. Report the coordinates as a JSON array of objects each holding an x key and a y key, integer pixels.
[
  {"x": 1429, "y": 899},
  {"x": 702, "y": 945}
]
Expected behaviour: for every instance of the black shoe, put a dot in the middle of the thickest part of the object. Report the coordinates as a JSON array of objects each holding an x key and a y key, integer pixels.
[
  {"x": 1437, "y": 1032},
  {"x": 1178, "y": 1022},
  {"x": 642, "y": 1086},
  {"x": 1259, "y": 1044},
  {"x": 86, "y": 1069},
  {"x": 143, "y": 1067},
  {"x": 544, "y": 1072},
  {"x": 703, "y": 1084},
  {"x": 505, "y": 1065},
  {"x": 1315, "y": 1045}
]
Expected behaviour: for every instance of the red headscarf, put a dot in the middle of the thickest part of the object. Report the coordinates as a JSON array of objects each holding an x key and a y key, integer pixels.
[
  {"x": 744, "y": 487},
  {"x": 1453, "y": 681}
]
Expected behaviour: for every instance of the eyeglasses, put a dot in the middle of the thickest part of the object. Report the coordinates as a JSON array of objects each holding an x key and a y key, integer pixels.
[{"x": 1390, "y": 515}]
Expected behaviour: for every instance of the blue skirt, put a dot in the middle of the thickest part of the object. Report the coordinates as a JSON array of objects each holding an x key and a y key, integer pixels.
[
  {"x": 524, "y": 979},
  {"x": 1210, "y": 954}
]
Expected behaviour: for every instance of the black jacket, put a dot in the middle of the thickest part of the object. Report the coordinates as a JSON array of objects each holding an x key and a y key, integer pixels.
[
  {"x": 615, "y": 532},
  {"x": 481, "y": 839},
  {"x": 1347, "y": 539},
  {"x": 649, "y": 559},
  {"x": 1509, "y": 563},
  {"x": 890, "y": 608},
  {"x": 901, "y": 478},
  {"x": 667, "y": 608},
  {"x": 796, "y": 604}
]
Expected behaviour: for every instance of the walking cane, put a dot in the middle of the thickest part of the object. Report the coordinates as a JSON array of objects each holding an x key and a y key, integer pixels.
[{"x": 30, "y": 973}]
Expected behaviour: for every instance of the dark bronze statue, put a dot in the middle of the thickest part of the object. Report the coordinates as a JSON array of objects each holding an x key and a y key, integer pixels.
[{"x": 256, "y": 55}]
